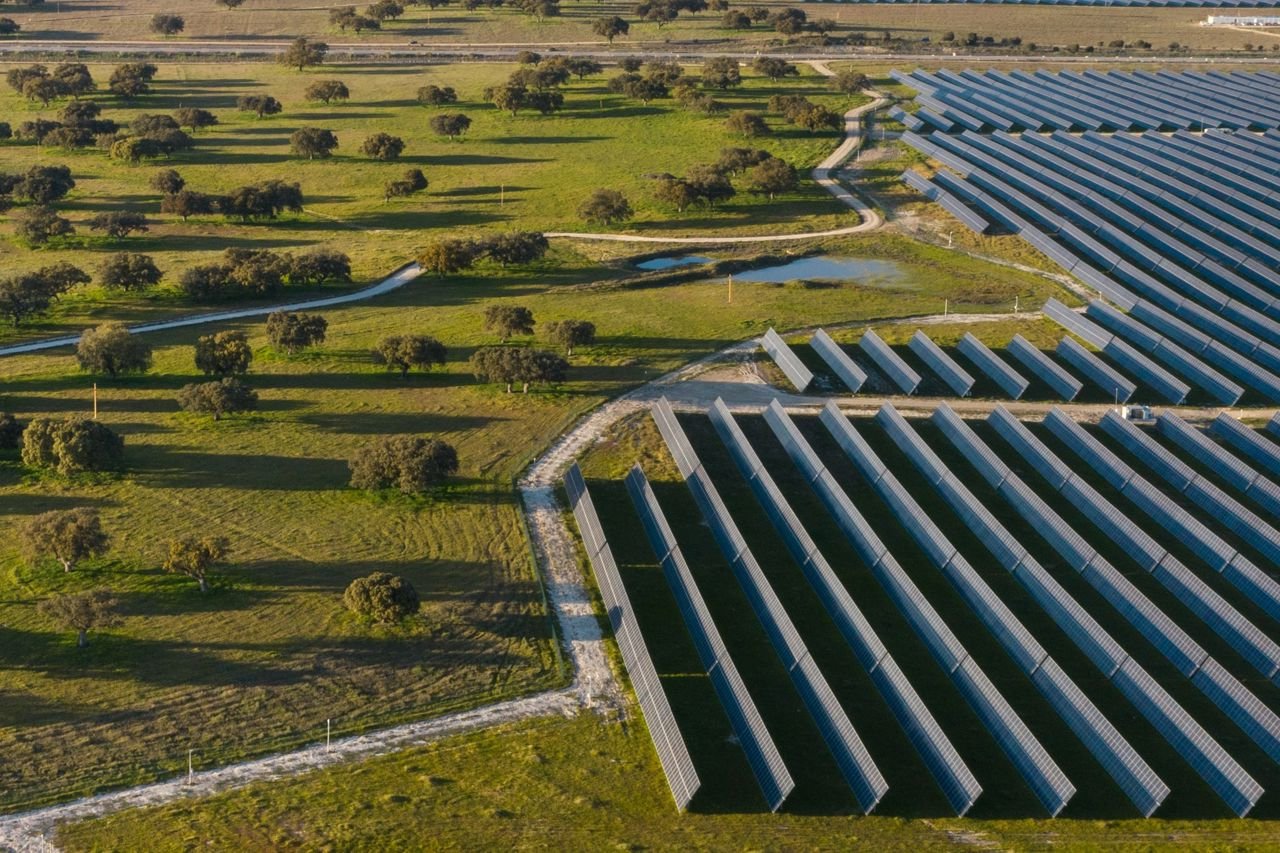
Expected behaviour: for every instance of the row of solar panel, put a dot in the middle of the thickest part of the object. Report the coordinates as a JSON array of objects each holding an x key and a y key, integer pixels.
[
  {"x": 954, "y": 778},
  {"x": 1184, "y": 734},
  {"x": 673, "y": 755},
  {"x": 1109, "y": 236},
  {"x": 1250, "y": 642},
  {"x": 846, "y": 747},
  {"x": 1189, "y": 531},
  {"x": 966, "y": 158},
  {"x": 1017, "y": 741},
  {"x": 761, "y": 752},
  {"x": 1167, "y": 334},
  {"x": 1090, "y": 100},
  {"x": 1131, "y": 772},
  {"x": 1134, "y": 776}
]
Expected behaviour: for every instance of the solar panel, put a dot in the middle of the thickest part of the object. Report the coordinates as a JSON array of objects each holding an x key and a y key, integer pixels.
[
  {"x": 846, "y": 747},
  {"x": 762, "y": 755},
  {"x": 1046, "y": 369},
  {"x": 1173, "y": 518},
  {"x": 841, "y": 365},
  {"x": 1022, "y": 748},
  {"x": 1129, "y": 770},
  {"x": 1242, "y": 477},
  {"x": 906, "y": 379},
  {"x": 1250, "y": 642},
  {"x": 1183, "y": 733},
  {"x": 1203, "y": 493},
  {"x": 1248, "y": 442},
  {"x": 787, "y": 360},
  {"x": 955, "y": 376},
  {"x": 1105, "y": 377},
  {"x": 673, "y": 755},
  {"x": 1009, "y": 380},
  {"x": 1253, "y": 717}
]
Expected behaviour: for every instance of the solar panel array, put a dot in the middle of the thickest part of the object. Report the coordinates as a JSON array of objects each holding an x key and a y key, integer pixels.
[
  {"x": 953, "y": 375},
  {"x": 1017, "y": 741},
  {"x": 935, "y": 193},
  {"x": 1273, "y": 425},
  {"x": 762, "y": 754},
  {"x": 1211, "y": 4},
  {"x": 901, "y": 373},
  {"x": 1224, "y": 619},
  {"x": 848, "y": 371},
  {"x": 1243, "y": 522},
  {"x": 1092, "y": 100},
  {"x": 1150, "y": 373},
  {"x": 1189, "y": 531},
  {"x": 850, "y": 753},
  {"x": 1247, "y": 442},
  {"x": 787, "y": 360},
  {"x": 953, "y": 776},
  {"x": 1242, "y": 477},
  {"x": 1045, "y": 369},
  {"x": 673, "y": 755},
  {"x": 1242, "y": 706},
  {"x": 1179, "y": 231},
  {"x": 1134, "y": 776},
  {"x": 992, "y": 366}
]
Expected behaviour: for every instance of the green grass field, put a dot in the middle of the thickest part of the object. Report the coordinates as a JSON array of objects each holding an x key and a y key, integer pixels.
[
  {"x": 261, "y": 662},
  {"x": 586, "y": 782},
  {"x": 256, "y": 20},
  {"x": 526, "y": 172}
]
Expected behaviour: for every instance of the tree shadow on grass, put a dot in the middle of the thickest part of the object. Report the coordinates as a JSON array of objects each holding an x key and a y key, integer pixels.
[
  {"x": 546, "y": 140},
  {"x": 181, "y": 468},
  {"x": 27, "y": 503},
  {"x": 388, "y": 423}
]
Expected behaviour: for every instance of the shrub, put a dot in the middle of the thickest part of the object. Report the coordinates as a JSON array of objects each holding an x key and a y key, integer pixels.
[{"x": 382, "y": 597}]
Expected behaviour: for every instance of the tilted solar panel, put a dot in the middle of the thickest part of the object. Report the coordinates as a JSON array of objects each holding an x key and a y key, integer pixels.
[
  {"x": 1022, "y": 748},
  {"x": 850, "y": 754},
  {"x": 762, "y": 755},
  {"x": 673, "y": 755}
]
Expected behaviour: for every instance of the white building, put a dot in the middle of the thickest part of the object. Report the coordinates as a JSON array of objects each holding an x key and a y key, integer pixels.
[{"x": 1243, "y": 21}]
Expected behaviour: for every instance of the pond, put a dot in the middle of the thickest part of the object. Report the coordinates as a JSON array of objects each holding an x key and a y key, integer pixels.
[
  {"x": 673, "y": 261},
  {"x": 865, "y": 271}
]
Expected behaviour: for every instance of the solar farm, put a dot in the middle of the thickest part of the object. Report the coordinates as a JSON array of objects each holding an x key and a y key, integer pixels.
[{"x": 930, "y": 612}]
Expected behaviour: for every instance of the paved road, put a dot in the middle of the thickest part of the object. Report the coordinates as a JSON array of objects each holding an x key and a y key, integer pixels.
[
  {"x": 595, "y": 50},
  {"x": 396, "y": 280}
]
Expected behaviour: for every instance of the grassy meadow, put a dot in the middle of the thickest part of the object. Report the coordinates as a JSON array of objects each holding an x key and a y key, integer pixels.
[
  {"x": 451, "y": 24},
  {"x": 522, "y": 172},
  {"x": 592, "y": 783},
  {"x": 264, "y": 659}
]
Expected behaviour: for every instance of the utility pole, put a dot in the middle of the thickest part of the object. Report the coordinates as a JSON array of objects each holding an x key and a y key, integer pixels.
[
  {"x": 730, "y": 288},
  {"x": 191, "y": 770},
  {"x": 328, "y": 732},
  {"x": 95, "y": 401}
]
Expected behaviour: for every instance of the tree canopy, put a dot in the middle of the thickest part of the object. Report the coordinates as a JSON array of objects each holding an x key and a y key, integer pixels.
[
  {"x": 410, "y": 463},
  {"x": 66, "y": 535},
  {"x": 82, "y": 612},
  {"x": 223, "y": 353},
  {"x": 382, "y": 597},
  {"x": 605, "y": 207},
  {"x": 405, "y": 352},
  {"x": 303, "y": 53},
  {"x": 220, "y": 397},
  {"x": 112, "y": 349},
  {"x": 71, "y": 445},
  {"x": 313, "y": 142},
  {"x": 196, "y": 556},
  {"x": 293, "y": 332}
]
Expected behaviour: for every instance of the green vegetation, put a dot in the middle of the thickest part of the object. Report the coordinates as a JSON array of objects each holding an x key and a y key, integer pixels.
[
  {"x": 523, "y": 172},
  {"x": 234, "y": 672}
]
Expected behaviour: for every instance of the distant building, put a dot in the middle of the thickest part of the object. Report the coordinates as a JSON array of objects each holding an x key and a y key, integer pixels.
[{"x": 1243, "y": 21}]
